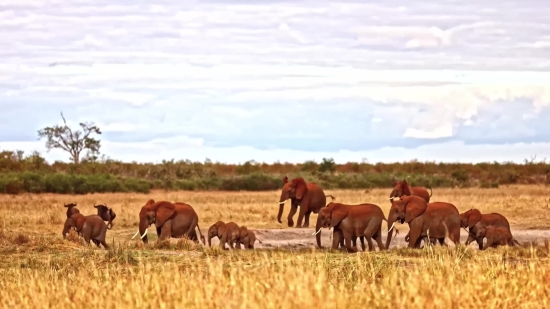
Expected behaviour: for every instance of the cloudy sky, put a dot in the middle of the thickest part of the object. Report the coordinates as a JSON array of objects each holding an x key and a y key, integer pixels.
[{"x": 267, "y": 80}]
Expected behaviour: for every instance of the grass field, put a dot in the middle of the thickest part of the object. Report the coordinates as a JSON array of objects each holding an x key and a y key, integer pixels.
[{"x": 39, "y": 269}]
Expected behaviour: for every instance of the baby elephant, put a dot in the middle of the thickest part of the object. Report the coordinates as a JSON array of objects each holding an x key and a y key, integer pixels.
[
  {"x": 247, "y": 238},
  {"x": 91, "y": 227},
  {"x": 106, "y": 213},
  {"x": 496, "y": 236},
  {"x": 226, "y": 232}
]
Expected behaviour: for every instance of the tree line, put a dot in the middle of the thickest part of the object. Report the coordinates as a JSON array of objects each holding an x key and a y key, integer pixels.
[{"x": 20, "y": 172}]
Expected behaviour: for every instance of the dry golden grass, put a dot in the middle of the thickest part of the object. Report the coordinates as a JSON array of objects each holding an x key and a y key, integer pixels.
[{"x": 39, "y": 269}]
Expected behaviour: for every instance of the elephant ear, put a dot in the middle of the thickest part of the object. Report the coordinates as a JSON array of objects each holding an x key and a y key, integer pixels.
[
  {"x": 243, "y": 232},
  {"x": 150, "y": 202},
  {"x": 406, "y": 190},
  {"x": 164, "y": 211},
  {"x": 338, "y": 213},
  {"x": 414, "y": 207},
  {"x": 473, "y": 217},
  {"x": 301, "y": 187}
]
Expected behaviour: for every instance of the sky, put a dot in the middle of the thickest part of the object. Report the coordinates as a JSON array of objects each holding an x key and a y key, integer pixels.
[{"x": 232, "y": 81}]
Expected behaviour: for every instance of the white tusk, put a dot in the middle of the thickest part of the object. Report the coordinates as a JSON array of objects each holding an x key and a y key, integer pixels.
[
  {"x": 391, "y": 198},
  {"x": 136, "y": 234},
  {"x": 283, "y": 201},
  {"x": 319, "y": 231},
  {"x": 144, "y": 234},
  {"x": 390, "y": 227}
]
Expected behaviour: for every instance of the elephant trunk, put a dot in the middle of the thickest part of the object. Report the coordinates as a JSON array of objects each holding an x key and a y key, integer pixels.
[
  {"x": 282, "y": 200},
  {"x": 391, "y": 228}
]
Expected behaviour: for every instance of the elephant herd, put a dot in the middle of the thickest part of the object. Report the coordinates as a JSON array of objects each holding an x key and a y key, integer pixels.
[{"x": 428, "y": 221}]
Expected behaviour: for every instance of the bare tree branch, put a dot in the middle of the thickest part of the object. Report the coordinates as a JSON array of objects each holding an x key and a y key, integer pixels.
[{"x": 62, "y": 137}]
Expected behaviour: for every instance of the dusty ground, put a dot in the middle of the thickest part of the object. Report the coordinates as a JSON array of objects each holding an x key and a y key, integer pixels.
[{"x": 302, "y": 239}]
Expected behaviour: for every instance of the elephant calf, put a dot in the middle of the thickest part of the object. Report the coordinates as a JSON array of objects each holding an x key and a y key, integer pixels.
[
  {"x": 496, "y": 236},
  {"x": 91, "y": 227},
  {"x": 247, "y": 238},
  {"x": 226, "y": 232}
]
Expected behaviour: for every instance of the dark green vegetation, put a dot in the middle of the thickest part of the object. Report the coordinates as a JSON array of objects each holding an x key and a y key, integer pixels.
[{"x": 20, "y": 173}]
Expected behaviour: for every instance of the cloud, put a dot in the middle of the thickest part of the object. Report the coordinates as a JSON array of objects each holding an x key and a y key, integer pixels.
[{"x": 269, "y": 77}]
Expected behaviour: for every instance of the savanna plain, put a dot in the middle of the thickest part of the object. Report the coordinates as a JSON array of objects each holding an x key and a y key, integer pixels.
[{"x": 39, "y": 269}]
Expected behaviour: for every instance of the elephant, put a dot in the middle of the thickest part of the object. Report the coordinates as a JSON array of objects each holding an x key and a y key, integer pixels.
[
  {"x": 439, "y": 219},
  {"x": 227, "y": 233},
  {"x": 170, "y": 219},
  {"x": 351, "y": 221},
  {"x": 91, "y": 227},
  {"x": 496, "y": 236},
  {"x": 401, "y": 188},
  {"x": 71, "y": 209},
  {"x": 247, "y": 238},
  {"x": 474, "y": 220},
  {"x": 106, "y": 213},
  {"x": 309, "y": 196}
]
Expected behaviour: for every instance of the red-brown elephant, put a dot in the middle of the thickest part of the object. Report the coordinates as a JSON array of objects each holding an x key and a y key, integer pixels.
[
  {"x": 309, "y": 196},
  {"x": 496, "y": 236},
  {"x": 170, "y": 219},
  {"x": 401, "y": 188},
  {"x": 351, "y": 221},
  {"x": 439, "y": 219},
  {"x": 474, "y": 220}
]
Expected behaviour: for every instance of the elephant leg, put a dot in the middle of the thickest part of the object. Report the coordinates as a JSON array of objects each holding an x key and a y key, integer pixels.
[
  {"x": 369, "y": 241},
  {"x": 362, "y": 239},
  {"x": 414, "y": 238},
  {"x": 442, "y": 242},
  {"x": 223, "y": 240},
  {"x": 237, "y": 245},
  {"x": 337, "y": 239},
  {"x": 347, "y": 240},
  {"x": 378, "y": 239},
  {"x": 306, "y": 221},
  {"x": 301, "y": 215},
  {"x": 291, "y": 213},
  {"x": 96, "y": 242}
]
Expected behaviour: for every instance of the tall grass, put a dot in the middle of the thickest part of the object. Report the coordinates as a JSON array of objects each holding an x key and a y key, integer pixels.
[{"x": 39, "y": 269}]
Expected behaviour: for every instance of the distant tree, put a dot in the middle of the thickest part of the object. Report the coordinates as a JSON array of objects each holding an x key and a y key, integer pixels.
[{"x": 62, "y": 137}]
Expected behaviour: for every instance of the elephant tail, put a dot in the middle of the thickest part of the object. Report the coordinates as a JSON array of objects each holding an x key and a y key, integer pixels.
[
  {"x": 516, "y": 241},
  {"x": 199, "y": 229},
  {"x": 331, "y": 196},
  {"x": 431, "y": 191},
  {"x": 259, "y": 240}
]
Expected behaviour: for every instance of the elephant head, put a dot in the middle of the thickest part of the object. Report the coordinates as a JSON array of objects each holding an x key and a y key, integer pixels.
[
  {"x": 481, "y": 232},
  {"x": 294, "y": 190},
  {"x": 71, "y": 210},
  {"x": 75, "y": 221},
  {"x": 107, "y": 214},
  {"x": 328, "y": 217},
  {"x": 400, "y": 188},
  {"x": 404, "y": 210},
  {"x": 154, "y": 212},
  {"x": 216, "y": 230},
  {"x": 470, "y": 218}
]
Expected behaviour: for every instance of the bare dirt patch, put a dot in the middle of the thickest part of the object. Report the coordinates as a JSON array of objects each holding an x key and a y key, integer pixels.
[{"x": 302, "y": 239}]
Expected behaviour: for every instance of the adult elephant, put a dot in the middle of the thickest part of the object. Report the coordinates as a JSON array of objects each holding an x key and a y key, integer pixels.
[
  {"x": 170, "y": 219},
  {"x": 351, "y": 221},
  {"x": 401, "y": 188},
  {"x": 309, "y": 196},
  {"x": 474, "y": 220},
  {"x": 439, "y": 218}
]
